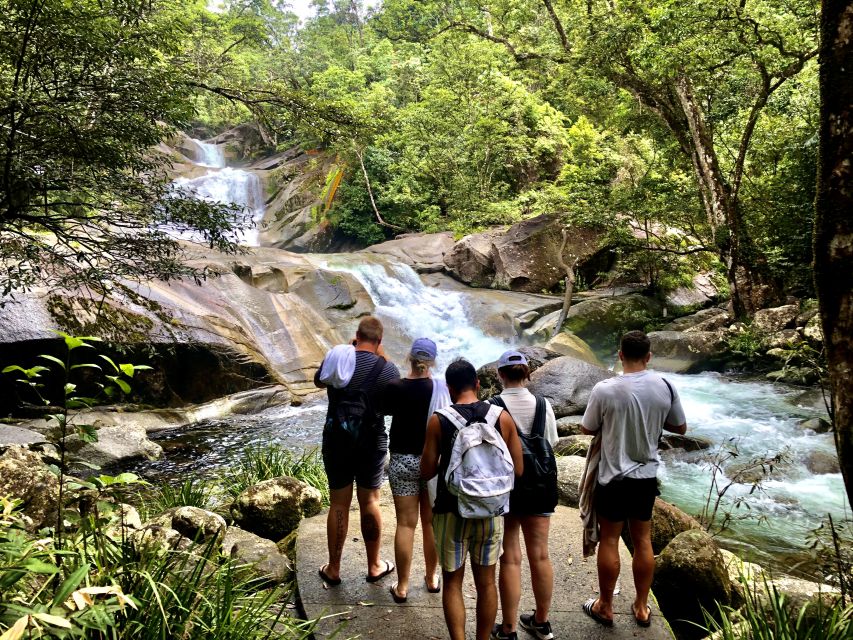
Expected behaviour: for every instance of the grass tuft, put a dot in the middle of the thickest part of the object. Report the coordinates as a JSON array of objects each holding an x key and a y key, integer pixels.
[{"x": 274, "y": 461}]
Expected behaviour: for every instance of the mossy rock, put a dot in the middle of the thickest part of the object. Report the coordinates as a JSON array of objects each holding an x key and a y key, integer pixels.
[{"x": 602, "y": 321}]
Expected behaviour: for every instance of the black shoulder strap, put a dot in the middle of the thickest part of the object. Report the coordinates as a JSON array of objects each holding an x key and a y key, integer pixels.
[
  {"x": 498, "y": 401},
  {"x": 538, "y": 428},
  {"x": 671, "y": 392},
  {"x": 373, "y": 375}
]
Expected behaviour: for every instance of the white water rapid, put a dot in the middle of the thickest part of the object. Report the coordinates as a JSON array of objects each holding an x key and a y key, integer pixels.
[{"x": 211, "y": 155}]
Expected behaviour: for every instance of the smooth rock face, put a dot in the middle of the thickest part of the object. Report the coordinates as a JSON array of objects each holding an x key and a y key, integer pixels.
[
  {"x": 822, "y": 462},
  {"x": 568, "y": 344},
  {"x": 701, "y": 293},
  {"x": 667, "y": 522},
  {"x": 261, "y": 555},
  {"x": 116, "y": 444},
  {"x": 470, "y": 259},
  {"x": 569, "y": 473},
  {"x": 687, "y": 352},
  {"x": 775, "y": 319},
  {"x": 705, "y": 320},
  {"x": 690, "y": 574},
  {"x": 602, "y": 321},
  {"x": 24, "y": 477},
  {"x": 10, "y": 435},
  {"x": 567, "y": 382},
  {"x": 818, "y": 425},
  {"x": 490, "y": 383},
  {"x": 273, "y": 508},
  {"x": 423, "y": 252}
]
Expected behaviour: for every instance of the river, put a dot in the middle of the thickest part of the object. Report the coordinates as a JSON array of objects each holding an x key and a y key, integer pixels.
[{"x": 757, "y": 417}]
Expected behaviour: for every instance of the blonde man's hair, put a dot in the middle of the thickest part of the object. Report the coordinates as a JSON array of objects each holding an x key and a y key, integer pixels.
[{"x": 369, "y": 330}]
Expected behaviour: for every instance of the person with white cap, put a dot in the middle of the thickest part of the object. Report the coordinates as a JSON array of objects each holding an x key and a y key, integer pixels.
[
  {"x": 532, "y": 501},
  {"x": 411, "y": 401}
]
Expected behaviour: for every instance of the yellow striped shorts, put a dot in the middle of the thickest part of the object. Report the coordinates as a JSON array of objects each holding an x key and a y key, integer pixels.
[{"x": 455, "y": 537}]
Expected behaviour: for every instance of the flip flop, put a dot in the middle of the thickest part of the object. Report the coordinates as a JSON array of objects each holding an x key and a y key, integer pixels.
[
  {"x": 389, "y": 567},
  {"x": 643, "y": 623},
  {"x": 430, "y": 589},
  {"x": 588, "y": 610},
  {"x": 332, "y": 582},
  {"x": 397, "y": 598}
]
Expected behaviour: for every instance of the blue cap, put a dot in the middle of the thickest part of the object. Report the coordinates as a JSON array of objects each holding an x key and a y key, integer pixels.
[
  {"x": 510, "y": 358},
  {"x": 424, "y": 349}
]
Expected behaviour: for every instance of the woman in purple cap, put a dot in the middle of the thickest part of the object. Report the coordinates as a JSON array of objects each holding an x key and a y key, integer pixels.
[
  {"x": 411, "y": 401},
  {"x": 532, "y": 501}
]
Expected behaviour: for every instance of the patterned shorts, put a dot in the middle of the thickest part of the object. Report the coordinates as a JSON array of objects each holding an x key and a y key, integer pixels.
[
  {"x": 455, "y": 537},
  {"x": 404, "y": 473}
]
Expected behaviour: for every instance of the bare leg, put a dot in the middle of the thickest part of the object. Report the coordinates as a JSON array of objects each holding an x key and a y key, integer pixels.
[
  {"x": 453, "y": 603},
  {"x": 430, "y": 555},
  {"x": 487, "y": 599},
  {"x": 371, "y": 528},
  {"x": 535, "y": 529},
  {"x": 337, "y": 523},
  {"x": 509, "y": 578},
  {"x": 643, "y": 565},
  {"x": 404, "y": 539},
  {"x": 608, "y": 566}
]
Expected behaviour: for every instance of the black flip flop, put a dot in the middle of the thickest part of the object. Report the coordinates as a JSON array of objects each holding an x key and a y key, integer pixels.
[
  {"x": 332, "y": 582},
  {"x": 430, "y": 589},
  {"x": 588, "y": 610},
  {"x": 389, "y": 568},
  {"x": 648, "y": 621},
  {"x": 397, "y": 597}
]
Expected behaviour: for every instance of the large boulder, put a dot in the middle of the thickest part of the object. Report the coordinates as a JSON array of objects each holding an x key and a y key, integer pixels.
[
  {"x": 490, "y": 383},
  {"x": 817, "y": 424},
  {"x": 261, "y": 556},
  {"x": 567, "y": 382},
  {"x": 704, "y": 320},
  {"x": 769, "y": 321},
  {"x": 470, "y": 259},
  {"x": 11, "y": 435},
  {"x": 24, "y": 477},
  {"x": 602, "y": 321},
  {"x": 702, "y": 292},
  {"x": 667, "y": 522},
  {"x": 118, "y": 443},
  {"x": 569, "y": 426},
  {"x": 813, "y": 332},
  {"x": 568, "y": 344},
  {"x": 195, "y": 524},
  {"x": 688, "y": 352},
  {"x": 569, "y": 473},
  {"x": 822, "y": 462},
  {"x": 684, "y": 442},
  {"x": 423, "y": 252},
  {"x": 575, "y": 445},
  {"x": 273, "y": 508},
  {"x": 691, "y": 577}
]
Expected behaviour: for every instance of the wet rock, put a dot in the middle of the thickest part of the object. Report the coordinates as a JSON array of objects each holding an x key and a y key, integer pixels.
[
  {"x": 818, "y": 425},
  {"x": 490, "y": 384},
  {"x": 263, "y": 277},
  {"x": 773, "y": 320},
  {"x": 470, "y": 259},
  {"x": 569, "y": 472},
  {"x": 705, "y": 320},
  {"x": 685, "y": 442},
  {"x": 753, "y": 472},
  {"x": 525, "y": 320},
  {"x": 822, "y": 462},
  {"x": 567, "y": 382},
  {"x": 569, "y": 426},
  {"x": 667, "y": 522},
  {"x": 24, "y": 477},
  {"x": 687, "y": 352},
  {"x": 802, "y": 376},
  {"x": 273, "y": 508},
  {"x": 424, "y": 252},
  {"x": 329, "y": 290},
  {"x": 573, "y": 445},
  {"x": 261, "y": 556},
  {"x": 568, "y": 344},
  {"x": 602, "y": 321},
  {"x": 197, "y": 525},
  {"x": 813, "y": 332},
  {"x": 118, "y": 443},
  {"x": 691, "y": 576}
]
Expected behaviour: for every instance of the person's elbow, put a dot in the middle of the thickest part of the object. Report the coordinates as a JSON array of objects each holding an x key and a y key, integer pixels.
[
  {"x": 518, "y": 468},
  {"x": 680, "y": 429},
  {"x": 586, "y": 431}
]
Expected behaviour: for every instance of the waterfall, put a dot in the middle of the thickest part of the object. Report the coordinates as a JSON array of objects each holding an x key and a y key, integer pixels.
[
  {"x": 211, "y": 155},
  {"x": 409, "y": 309}
]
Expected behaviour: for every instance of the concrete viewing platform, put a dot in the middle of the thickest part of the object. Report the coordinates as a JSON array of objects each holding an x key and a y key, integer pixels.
[{"x": 358, "y": 609}]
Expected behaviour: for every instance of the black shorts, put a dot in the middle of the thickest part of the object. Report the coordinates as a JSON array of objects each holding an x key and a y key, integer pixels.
[
  {"x": 626, "y": 499},
  {"x": 344, "y": 462}
]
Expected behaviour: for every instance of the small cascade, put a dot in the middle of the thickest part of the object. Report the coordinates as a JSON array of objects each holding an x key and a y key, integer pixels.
[
  {"x": 211, "y": 155},
  {"x": 409, "y": 309}
]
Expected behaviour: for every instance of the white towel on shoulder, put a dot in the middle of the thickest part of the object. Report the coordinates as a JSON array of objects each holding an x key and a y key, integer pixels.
[
  {"x": 440, "y": 399},
  {"x": 338, "y": 366}
]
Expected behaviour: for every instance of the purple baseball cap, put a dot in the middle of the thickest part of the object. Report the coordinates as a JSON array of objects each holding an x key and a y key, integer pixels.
[
  {"x": 424, "y": 349},
  {"x": 510, "y": 358}
]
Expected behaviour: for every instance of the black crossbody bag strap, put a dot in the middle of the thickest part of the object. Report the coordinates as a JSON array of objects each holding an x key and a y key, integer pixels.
[
  {"x": 498, "y": 401},
  {"x": 538, "y": 428},
  {"x": 373, "y": 375}
]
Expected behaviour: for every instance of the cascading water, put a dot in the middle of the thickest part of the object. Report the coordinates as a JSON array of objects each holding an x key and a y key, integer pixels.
[{"x": 211, "y": 155}]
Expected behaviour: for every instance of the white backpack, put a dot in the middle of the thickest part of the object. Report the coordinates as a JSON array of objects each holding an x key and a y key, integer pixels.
[{"x": 480, "y": 472}]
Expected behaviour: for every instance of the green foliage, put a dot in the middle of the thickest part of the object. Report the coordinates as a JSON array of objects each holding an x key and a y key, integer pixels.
[
  {"x": 273, "y": 461},
  {"x": 748, "y": 342},
  {"x": 192, "y": 492}
]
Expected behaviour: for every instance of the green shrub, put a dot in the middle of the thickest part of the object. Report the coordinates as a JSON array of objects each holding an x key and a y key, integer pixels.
[
  {"x": 192, "y": 492},
  {"x": 273, "y": 461}
]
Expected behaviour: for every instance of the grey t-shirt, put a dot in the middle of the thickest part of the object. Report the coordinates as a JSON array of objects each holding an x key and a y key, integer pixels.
[{"x": 631, "y": 410}]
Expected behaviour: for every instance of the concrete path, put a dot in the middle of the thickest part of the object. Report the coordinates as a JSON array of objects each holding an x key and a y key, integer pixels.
[{"x": 357, "y": 609}]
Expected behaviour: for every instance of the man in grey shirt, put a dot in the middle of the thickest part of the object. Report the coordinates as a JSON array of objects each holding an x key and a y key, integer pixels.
[{"x": 631, "y": 411}]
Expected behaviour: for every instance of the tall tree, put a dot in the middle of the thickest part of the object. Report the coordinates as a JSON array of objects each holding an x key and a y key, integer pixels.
[{"x": 834, "y": 222}]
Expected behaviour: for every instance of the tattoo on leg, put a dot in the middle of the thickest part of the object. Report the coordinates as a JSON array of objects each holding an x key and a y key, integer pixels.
[
  {"x": 370, "y": 527},
  {"x": 341, "y": 534}
]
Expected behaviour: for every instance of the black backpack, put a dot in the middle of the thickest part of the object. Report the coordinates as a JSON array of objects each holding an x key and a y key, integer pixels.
[
  {"x": 353, "y": 408},
  {"x": 535, "y": 491}
]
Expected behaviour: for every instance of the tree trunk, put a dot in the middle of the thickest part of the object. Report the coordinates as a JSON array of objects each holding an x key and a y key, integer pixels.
[
  {"x": 833, "y": 242},
  {"x": 570, "y": 285}
]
